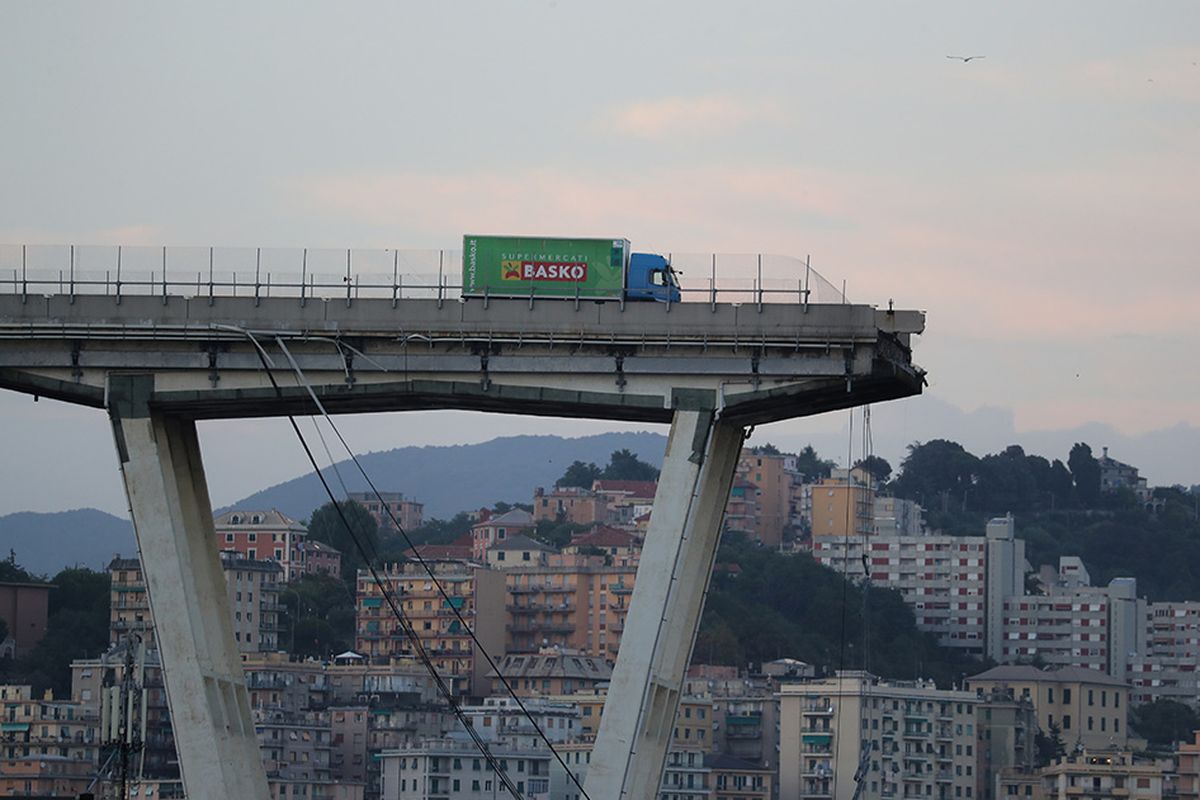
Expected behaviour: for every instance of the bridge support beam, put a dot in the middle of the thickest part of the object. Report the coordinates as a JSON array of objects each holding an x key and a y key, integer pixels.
[
  {"x": 668, "y": 597},
  {"x": 206, "y": 688}
]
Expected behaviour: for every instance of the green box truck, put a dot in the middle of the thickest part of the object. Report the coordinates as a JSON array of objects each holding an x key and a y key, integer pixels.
[{"x": 588, "y": 269}]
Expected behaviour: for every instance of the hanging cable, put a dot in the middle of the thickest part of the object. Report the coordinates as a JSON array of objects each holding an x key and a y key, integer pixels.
[
  {"x": 388, "y": 596},
  {"x": 423, "y": 563},
  {"x": 837, "y": 741}
]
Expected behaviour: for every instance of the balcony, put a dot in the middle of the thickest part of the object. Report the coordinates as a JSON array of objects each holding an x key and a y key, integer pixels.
[{"x": 817, "y": 709}]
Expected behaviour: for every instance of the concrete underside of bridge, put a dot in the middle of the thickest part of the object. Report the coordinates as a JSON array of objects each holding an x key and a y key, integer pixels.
[{"x": 157, "y": 365}]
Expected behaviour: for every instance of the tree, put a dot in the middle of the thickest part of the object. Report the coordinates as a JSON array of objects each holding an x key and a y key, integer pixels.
[
  {"x": 624, "y": 465},
  {"x": 11, "y": 572},
  {"x": 1049, "y": 745},
  {"x": 326, "y": 526},
  {"x": 875, "y": 466},
  {"x": 579, "y": 474},
  {"x": 1164, "y": 722},
  {"x": 1085, "y": 472},
  {"x": 765, "y": 449},
  {"x": 936, "y": 468},
  {"x": 811, "y": 465}
]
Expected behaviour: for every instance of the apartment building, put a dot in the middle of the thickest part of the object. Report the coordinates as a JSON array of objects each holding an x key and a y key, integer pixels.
[
  {"x": 569, "y": 504},
  {"x": 575, "y": 603},
  {"x": 1188, "y": 785},
  {"x": 500, "y": 719},
  {"x": 897, "y": 517},
  {"x": 1167, "y": 669},
  {"x": 626, "y": 501},
  {"x": 687, "y": 775},
  {"x": 1102, "y": 773},
  {"x": 1100, "y": 628},
  {"x": 956, "y": 585},
  {"x": 49, "y": 747},
  {"x": 252, "y": 586},
  {"x": 493, "y": 529},
  {"x": 1005, "y": 732},
  {"x": 621, "y": 548},
  {"x": 841, "y": 505},
  {"x": 409, "y": 513},
  {"x": 295, "y": 747},
  {"x": 921, "y": 739},
  {"x": 741, "y": 509},
  {"x": 89, "y": 677},
  {"x": 518, "y": 551},
  {"x": 550, "y": 671},
  {"x": 321, "y": 559},
  {"x": 772, "y": 477},
  {"x": 737, "y": 779},
  {"x": 263, "y": 535},
  {"x": 454, "y": 769},
  {"x": 472, "y": 592},
  {"x": 1088, "y": 706}
]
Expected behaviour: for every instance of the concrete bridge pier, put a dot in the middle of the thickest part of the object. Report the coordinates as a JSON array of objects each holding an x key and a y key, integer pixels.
[
  {"x": 172, "y": 516},
  {"x": 668, "y": 597}
]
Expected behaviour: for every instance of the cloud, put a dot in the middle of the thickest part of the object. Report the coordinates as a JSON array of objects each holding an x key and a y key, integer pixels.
[{"x": 673, "y": 117}]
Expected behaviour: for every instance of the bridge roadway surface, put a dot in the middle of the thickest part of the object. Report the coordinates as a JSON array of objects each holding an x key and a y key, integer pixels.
[
  {"x": 157, "y": 364},
  {"x": 596, "y": 360}
]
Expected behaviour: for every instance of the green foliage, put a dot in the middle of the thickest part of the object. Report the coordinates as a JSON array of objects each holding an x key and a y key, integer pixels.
[
  {"x": 811, "y": 465},
  {"x": 934, "y": 471},
  {"x": 317, "y": 638},
  {"x": 580, "y": 475},
  {"x": 1049, "y": 745},
  {"x": 765, "y": 449},
  {"x": 790, "y": 606},
  {"x": 878, "y": 468},
  {"x": 556, "y": 534},
  {"x": 1085, "y": 472},
  {"x": 320, "y": 609},
  {"x": 327, "y": 526},
  {"x": 624, "y": 465},
  {"x": 77, "y": 627},
  {"x": 1164, "y": 722},
  {"x": 11, "y": 572}
]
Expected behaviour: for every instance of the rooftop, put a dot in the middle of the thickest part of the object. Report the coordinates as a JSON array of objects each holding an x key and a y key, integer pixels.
[{"x": 1024, "y": 672}]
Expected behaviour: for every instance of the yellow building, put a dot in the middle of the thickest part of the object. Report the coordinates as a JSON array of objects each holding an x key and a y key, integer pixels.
[
  {"x": 842, "y": 505},
  {"x": 475, "y": 592},
  {"x": 1087, "y": 706}
]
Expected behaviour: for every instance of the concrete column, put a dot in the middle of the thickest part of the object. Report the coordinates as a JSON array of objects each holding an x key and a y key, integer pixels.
[
  {"x": 672, "y": 580},
  {"x": 206, "y": 688}
]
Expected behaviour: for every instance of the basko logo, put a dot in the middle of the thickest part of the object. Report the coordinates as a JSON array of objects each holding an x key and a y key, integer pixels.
[{"x": 569, "y": 271}]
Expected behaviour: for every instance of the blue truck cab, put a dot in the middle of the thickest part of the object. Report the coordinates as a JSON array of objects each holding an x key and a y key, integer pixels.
[{"x": 650, "y": 277}]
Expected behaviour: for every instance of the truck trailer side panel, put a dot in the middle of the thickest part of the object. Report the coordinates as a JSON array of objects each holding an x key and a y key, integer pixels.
[{"x": 514, "y": 266}]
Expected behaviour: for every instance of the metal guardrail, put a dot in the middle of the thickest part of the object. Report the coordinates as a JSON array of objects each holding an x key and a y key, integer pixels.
[{"x": 353, "y": 274}]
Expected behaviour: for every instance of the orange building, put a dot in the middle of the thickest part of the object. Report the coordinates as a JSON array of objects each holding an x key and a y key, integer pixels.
[
  {"x": 1188, "y": 787},
  {"x": 568, "y": 504},
  {"x": 576, "y": 603},
  {"x": 476, "y": 592},
  {"x": 772, "y": 481}
]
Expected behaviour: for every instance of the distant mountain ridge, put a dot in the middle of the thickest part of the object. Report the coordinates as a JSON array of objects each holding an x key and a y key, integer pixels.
[
  {"x": 46, "y": 543},
  {"x": 453, "y": 478}
]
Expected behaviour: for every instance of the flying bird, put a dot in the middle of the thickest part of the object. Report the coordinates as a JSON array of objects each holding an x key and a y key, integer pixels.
[{"x": 964, "y": 59}]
